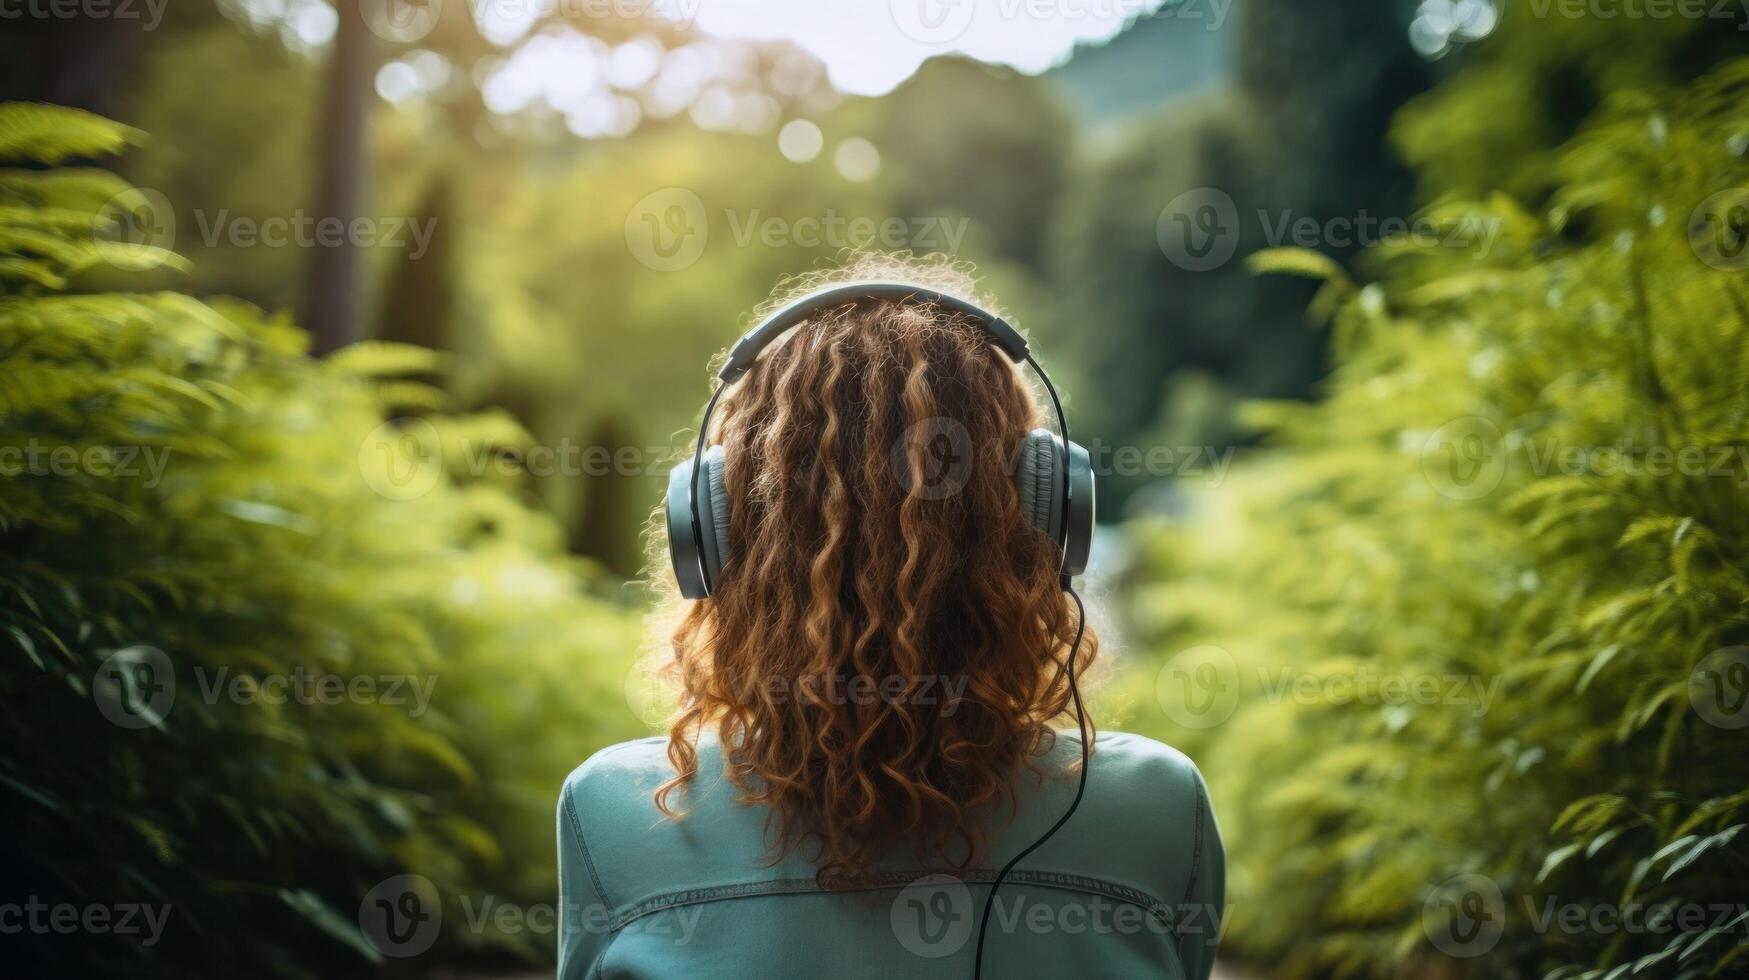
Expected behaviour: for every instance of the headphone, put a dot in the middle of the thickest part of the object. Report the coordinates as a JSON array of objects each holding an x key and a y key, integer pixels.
[{"x": 1053, "y": 476}]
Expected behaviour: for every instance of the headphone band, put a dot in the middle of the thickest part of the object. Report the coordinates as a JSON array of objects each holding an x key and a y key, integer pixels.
[
  {"x": 754, "y": 342},
  {"x": 747, "y": 350}
]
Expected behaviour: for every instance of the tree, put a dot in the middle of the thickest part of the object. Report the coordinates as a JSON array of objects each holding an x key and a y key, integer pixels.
[{"x": 329, "y": 306}]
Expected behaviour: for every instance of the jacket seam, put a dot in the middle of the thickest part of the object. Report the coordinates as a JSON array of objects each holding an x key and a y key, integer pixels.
[
  {"x": 892, "y": 880},
  {"x": 1196, "y": 843},
  {"x": 595, "y": 967},
  {"x": 583, "y": 846}
]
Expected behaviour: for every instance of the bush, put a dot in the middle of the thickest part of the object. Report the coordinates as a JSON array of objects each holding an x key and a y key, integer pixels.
[
  {"x": 1476, "y": 622},
  {"x": 191, "y": 500}
]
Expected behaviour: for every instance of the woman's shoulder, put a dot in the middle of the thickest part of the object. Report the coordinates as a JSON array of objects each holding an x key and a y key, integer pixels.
[
  {"x": 1133, "y": 778},
  {"x": 1145, "y": 820},
  {"x": 620, "y": 781},
  {"x": 626, "y": 773},
  {"x": 1146, "y": 811},
  {"x": 621, "y": 758},
  {"x": 1128, "y": 769},
  {"x": 1137, "y": 751},
  {"x": 635, "y": 850},
  {"x": 1139, "y": 767}
]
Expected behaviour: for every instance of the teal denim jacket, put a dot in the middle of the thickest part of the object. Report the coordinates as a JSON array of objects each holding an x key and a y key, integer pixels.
[{"x": 1132, "y": 886}]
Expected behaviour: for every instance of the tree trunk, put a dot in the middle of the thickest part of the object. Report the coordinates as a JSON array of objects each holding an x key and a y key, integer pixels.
[
  {"x": 332, "y": 279},
  {"x": 79, "y": 62},
  {"x": 418, "y": 294}
]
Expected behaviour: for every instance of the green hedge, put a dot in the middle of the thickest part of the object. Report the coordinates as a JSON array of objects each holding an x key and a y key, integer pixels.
[
  {"x": 1473, "y": 622},
  {"x": 188, "y": 494}
]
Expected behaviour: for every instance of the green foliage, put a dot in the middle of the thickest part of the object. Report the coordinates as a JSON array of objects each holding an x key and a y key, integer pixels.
[
  {"x": 51, "y": 134},
  {"x": 1144, "y": 338},
  {"x": 567, "y": 293},
  {"x": 180, "y": 476},
  {"x": 1527, "y": 492},
  {"x": 49, "y": 220},
  {"x": 1534, "y": 80},
  {"x": 195, "y": 89},
  {"x": 1106, "y": 256},
  {"x": 1291, "y": 141},
  {"x": 962, "y": 137}
]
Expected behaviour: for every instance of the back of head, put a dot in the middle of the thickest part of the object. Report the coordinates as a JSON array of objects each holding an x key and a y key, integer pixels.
[{"x": 884, "y": 649}]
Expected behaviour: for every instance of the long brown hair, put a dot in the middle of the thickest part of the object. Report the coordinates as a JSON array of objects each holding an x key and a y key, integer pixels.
[{"x": 886, "y": 644}]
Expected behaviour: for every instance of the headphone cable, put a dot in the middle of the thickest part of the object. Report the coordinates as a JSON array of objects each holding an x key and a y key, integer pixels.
[{"x": 1080, "y": 790}]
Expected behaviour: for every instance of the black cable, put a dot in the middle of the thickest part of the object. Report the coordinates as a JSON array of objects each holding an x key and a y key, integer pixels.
[{"x": 1086, "y": 758}]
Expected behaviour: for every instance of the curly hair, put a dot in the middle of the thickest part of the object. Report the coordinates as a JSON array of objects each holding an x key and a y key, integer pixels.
[{"x": 887, "y": 644}]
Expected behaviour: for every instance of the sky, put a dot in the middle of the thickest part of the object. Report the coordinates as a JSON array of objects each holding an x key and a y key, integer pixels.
[{"x": 870, "y": 46}]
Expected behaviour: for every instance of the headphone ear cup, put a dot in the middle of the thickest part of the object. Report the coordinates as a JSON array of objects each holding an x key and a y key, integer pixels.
[
  {"x": 683, "y": 547},
  {"x": 1078, "y": 538},
  {"x": 1038, "y": 477},
  {"x": 1040, "y": 482},
  {"x": 713, "y": 514},
  {"x": 698, "y": 538}
]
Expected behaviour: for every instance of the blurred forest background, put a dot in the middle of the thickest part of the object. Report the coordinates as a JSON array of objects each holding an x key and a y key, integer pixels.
[{"x": 568, "y": 210}]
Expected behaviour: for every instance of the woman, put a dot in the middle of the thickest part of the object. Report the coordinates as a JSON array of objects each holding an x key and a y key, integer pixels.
[{"x": 863, "y": 733}]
